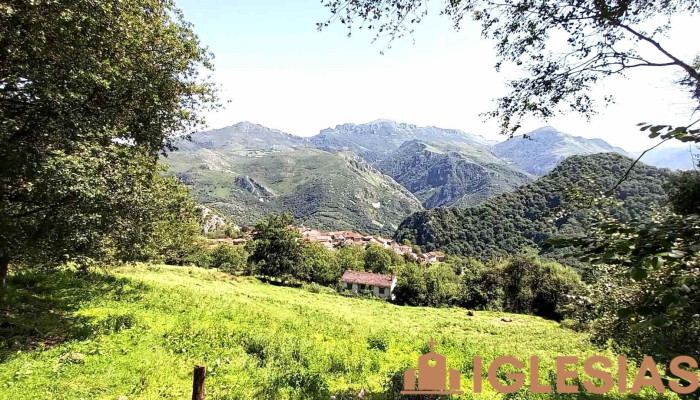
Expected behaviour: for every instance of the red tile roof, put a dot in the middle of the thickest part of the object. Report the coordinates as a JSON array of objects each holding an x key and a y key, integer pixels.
[{"x": 367, "y": 278}]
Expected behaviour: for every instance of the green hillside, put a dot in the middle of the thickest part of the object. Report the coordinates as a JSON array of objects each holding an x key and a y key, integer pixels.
[
  {"x": 248, "y": 172},
  {"x": 508, "y": 223},
  {"x": 137, "y": 335}
]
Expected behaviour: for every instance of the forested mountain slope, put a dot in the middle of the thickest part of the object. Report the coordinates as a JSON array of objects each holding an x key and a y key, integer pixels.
[
  {"x": 526, "y": 217},
  {"x": 441, "y": 177},
  {"x": 442, "y": 167}
]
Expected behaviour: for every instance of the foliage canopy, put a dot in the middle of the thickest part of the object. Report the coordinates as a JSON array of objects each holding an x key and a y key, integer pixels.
[{"x": 90, "y": 93}]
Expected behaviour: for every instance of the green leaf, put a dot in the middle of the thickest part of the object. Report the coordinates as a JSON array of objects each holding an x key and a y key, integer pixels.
[
  {"x": 639, "y": 274},
  {"x": 624, "y": 313}
]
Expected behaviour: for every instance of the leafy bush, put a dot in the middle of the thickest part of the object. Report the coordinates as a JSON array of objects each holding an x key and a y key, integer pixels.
[
  {"x": 481, "y": 286},
  {"x": 411, "y": 287},
  {"x": 442, "y": 285},
  {"x": 198, "y": 255},
  {"x": 521, "y": 284},
  {"x": 229, "y": 258},
  {"x": 377, "y": 342},
  {"x": 377, "y": 259},
  {"x": 535, "y": 287},
  {"x": 319, "y": 265}
]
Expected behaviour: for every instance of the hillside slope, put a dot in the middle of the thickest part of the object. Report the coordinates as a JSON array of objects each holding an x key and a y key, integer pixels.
[
  {"x": 526, "y": 217},
  {"x": 442, "y": 167},
  {"x": 538, "y": 152},
  {"x": 249, "y": 173},
  {"x": 440, "y": 177},
  {"x": 139, "y": 335}
]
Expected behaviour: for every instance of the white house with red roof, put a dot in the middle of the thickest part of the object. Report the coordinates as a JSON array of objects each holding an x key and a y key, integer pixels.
[{"x": 379, "y": 285}]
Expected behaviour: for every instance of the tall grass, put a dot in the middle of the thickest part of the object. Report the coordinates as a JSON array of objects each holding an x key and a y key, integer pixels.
[{"x": 138, "y": 334}]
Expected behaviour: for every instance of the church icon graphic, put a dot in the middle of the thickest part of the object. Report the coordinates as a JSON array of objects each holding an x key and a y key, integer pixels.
[{"x": 432, "y": 375}]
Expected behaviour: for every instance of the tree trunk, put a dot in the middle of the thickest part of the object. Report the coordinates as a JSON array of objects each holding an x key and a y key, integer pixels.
[
  {"x": 198, "y": 383},
  {"x": 4, "y": 267}
]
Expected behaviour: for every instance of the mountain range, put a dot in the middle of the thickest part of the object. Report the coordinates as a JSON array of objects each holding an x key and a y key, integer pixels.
[
  {"x": 363, "y": 177},
  {"x": 539, "y": 151},
  {"x": 247, "y": 171}
]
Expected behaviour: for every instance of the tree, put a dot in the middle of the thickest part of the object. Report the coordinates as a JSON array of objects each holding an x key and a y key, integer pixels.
[
  {"x": 647, "y": 299},
  {"x": 377, "y": 259},
  {"x": 538, "y": 287},
  {"x": 350, "y": 258},
  {"x": 319, "y": 264},
  {"x": 410, "y": 286},
  {"x": 600, "y": 38},
  {"x": 229, "y": 258},
  {"x": 481, "y": 287},
  {"x": 276, "y": 249},
  {"x": 442, "y": 285},
  {"x": 90, "y": 93}
]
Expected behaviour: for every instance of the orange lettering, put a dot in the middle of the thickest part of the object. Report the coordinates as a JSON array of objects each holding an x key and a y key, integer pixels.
[
  {"x": 642, "y": 380},
  {"x": 518, "y": 377},
  {"x": 563, "y": 374},
  {"x": 686, "y": 375},
  {"x": 535, "y": 386},
  {"x": 478, "y": 373},
  {"x": 622, "y": 374},
  {"x": 606, "y": 377}
]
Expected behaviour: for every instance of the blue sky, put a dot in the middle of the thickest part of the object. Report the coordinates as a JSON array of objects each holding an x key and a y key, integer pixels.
[{"x": 279, "y": 71}]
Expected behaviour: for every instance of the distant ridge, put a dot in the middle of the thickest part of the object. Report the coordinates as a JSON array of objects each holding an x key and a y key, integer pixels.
[
  {"x": 375, "y": 140},
  {"x": 539, "y": 151}
]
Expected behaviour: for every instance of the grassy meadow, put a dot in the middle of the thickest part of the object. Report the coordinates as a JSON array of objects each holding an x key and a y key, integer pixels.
[{"x": 137, "y": 332}]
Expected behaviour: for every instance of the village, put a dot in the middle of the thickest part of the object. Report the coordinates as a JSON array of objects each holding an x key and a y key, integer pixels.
[
  {"x": 377, "y": 285},
  {"x": 336, "y": 239}
]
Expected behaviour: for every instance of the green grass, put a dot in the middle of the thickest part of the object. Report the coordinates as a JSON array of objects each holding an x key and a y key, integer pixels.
[{"x": 139, "y": 331}]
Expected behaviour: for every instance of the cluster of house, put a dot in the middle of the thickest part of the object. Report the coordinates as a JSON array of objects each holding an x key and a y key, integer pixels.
[
  {"x": 378, "y": 285},
  {"x": 335, "y": 239}
]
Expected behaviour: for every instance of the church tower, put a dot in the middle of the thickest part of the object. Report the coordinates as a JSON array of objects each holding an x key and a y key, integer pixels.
[{"x": 432, "y": 374}]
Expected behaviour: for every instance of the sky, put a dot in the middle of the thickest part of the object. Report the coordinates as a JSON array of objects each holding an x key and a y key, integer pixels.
[{"x": 276, "y": 69}]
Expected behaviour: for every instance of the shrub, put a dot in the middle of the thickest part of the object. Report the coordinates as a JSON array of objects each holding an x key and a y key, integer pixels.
[
  {"x": 198, "y": 255},
  {"x": 229, "y": 258},
  {"x": 522, "y": 284},
  {"x": 410, "y": 287},
  {"x": 540, "y": 288},
  {"x": 318, "y": 265},
  {"x": 377, "y": 259},
  {"x": 377, "y": 342}
]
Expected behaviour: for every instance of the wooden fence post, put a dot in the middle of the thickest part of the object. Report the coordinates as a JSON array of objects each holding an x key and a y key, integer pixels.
[{"x": 198, "y": 382}]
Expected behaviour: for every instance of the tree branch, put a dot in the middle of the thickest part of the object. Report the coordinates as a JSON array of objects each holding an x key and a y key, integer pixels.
[
  {"x": 689, "y": 69},
  {"x": 624, "y": 177}
]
